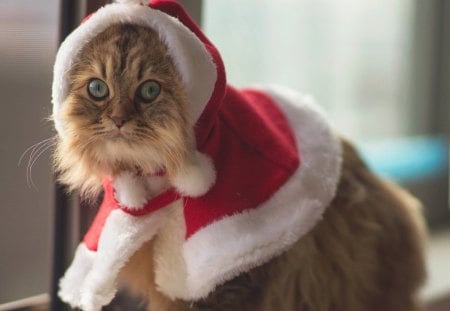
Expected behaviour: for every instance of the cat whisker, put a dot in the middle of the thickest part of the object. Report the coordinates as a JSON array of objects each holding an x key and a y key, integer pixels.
[
  {"x": 138, "y": 137},
  {"x": 137, "y": 134},
  {"x": 144, "y": 132},
  {"x": 141, "y": 129},
  {"x": 37, "y": 149},
  {"x": 141, "y": 134},
  {"x": 33, "y": 148},
  {"x": 34, "y": 156}
]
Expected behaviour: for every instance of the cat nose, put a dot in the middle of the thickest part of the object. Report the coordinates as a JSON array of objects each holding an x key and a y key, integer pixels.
[{"x": 119, "y": 121}]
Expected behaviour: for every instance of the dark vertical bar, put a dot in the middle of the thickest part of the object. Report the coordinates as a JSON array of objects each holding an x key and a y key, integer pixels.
[
  {"x": 68, "y": 18},
  {"x": 61, "y": 199},
  {"x": 94, "y": 5},
  {"x": 444, "y": 99},
  {"x": 194, "y": 8},
  {"x": 440, "y": 103},
  {"x": 437, "y": 100},
  {"x": 61, "y": 212}
]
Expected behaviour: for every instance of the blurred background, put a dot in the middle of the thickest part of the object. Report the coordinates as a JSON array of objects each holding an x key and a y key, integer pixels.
[{"x": 381, "y": 69}]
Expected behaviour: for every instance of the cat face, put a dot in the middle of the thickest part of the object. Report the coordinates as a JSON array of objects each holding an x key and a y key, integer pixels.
[{"x": 125, "y": 109}]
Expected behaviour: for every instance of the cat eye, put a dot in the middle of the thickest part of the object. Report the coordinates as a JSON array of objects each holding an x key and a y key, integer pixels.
[
  {"x": 97, "y": 89},
  {"x": 148, "y": 91}
]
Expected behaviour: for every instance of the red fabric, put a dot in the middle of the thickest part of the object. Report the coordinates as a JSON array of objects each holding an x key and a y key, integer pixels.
[
  {"x": 108, "y": 205},
  {"x": 254, "y": 153},
  {"x": 155, "y": 203}
]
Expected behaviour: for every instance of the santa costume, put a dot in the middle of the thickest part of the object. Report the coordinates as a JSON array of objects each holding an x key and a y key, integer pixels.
[{"x": 266, "y": 167}]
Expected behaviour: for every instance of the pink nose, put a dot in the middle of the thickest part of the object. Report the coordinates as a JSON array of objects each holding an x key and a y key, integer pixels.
[{"x": 119, "y": 121}]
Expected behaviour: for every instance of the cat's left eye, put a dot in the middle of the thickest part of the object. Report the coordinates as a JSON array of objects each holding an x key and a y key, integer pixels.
[
  {"x": 148, "y": 91},
  {"x": 97, "y": 89}
]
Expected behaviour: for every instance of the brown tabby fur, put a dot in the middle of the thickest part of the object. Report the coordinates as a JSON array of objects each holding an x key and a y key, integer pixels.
[{"x": 366, "y": 253}]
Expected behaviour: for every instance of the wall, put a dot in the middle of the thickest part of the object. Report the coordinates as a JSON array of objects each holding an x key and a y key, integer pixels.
[{"x": 28, "y": 37}]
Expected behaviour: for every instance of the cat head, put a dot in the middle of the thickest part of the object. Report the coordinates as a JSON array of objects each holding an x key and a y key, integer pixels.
[{"x": 127, "y": 96}]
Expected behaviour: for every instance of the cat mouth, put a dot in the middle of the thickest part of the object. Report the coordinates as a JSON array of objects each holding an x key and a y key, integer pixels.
[
  {"x": 116, "y": 136},
  {"x": 120, "y": 136}
]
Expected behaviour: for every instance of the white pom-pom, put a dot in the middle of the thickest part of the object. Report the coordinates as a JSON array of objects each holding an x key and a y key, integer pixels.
[
  {"x": 197, "y": 178},
  {"x": 130, "y": 191},
  {"x": 130, "y": 1}
]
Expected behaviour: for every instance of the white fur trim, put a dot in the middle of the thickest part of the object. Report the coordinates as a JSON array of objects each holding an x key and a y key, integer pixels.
[
  {"x": 192, "y": 60},
  {"x": 130, "y": 191},
  {"x": 133, "y": 191},
  {"x": 226, "y": 248},
  {"x": 121, "y": 237},
  {"x": 130, "y": 1},
  {"x": 197, "y": 177},
  {"x": 69, "y": 285},
  {"x": 155, "y": 185}
]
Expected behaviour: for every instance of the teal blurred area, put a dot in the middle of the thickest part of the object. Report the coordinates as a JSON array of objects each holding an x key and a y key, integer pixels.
[{"x": 408, "y": 159}]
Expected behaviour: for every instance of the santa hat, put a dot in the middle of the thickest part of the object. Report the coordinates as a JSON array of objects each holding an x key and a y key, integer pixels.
[{"x": 195, "y": 58}]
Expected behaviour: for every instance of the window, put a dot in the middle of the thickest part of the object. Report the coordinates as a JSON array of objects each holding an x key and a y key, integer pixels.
[
  {"x": 355, "y": 57},
  {"x": 372, "y": 65}
]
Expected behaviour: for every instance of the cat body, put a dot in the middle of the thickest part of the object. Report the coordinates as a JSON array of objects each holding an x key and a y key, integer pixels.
[{"x": 217, "y": 198}]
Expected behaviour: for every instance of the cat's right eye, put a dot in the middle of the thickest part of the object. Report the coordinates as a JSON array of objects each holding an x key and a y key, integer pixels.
[
  {"x": 97, "y": 89},
  {"x": 148, "y": 91}
]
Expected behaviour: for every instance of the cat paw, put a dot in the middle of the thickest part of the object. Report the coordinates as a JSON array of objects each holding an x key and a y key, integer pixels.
[
  {"x": 93, "y": 302},
  {"x": 70, "y": 296},
  {"x": 70, "y": 284},
  {"x": 98, "y": 291}
]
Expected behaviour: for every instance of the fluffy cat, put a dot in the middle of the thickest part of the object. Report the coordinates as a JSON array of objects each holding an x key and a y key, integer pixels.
[{"x": 125, "y": 112}]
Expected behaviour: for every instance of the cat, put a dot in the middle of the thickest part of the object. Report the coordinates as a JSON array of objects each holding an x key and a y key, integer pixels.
[
  {"x": 126, "y": 112},
  {"x": 93, "y": 150}
]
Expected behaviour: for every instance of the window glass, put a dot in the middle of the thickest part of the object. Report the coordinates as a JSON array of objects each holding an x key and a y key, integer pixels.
[
  {"x": 353, "y": 56},
  {"x": 375, "y": 66}
]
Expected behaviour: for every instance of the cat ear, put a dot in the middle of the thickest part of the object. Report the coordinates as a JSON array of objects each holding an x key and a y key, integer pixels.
[{"x": 197, "y": 177}]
